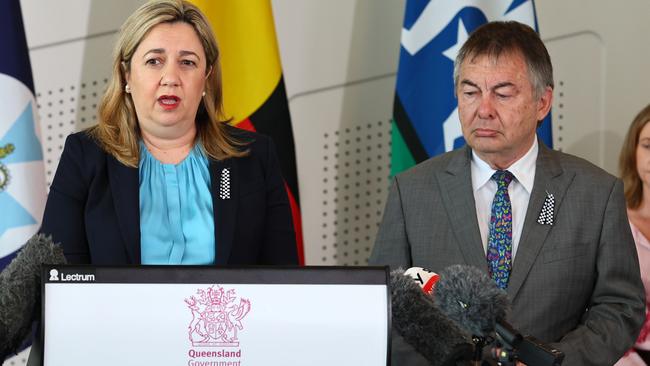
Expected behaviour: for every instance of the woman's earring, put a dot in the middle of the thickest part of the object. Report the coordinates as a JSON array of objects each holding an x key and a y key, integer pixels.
[
  {"x": 204, "y": 93},
  {"x": 127, "y": 89}
]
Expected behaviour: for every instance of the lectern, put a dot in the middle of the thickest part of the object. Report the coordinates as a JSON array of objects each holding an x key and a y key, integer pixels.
[{"x": 210, "y": 316}]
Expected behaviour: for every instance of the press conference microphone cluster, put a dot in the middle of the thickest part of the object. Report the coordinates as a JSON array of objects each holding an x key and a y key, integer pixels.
[
  {"x": 20, "y": 290},
  {"x": 467, "y": 296},
  {"x": 422, "y": 325}
]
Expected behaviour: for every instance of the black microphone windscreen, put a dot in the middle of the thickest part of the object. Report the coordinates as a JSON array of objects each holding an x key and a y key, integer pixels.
[
  {"x": 20, "y": 290},
  {"x": 423, "y": 326},
  {"x": 469, "y": 297}
]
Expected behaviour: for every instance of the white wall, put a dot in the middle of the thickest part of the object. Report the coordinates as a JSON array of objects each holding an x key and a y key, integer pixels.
[
  {"x": 600, "y": 52},
  {"x": 339, "y": 59}
]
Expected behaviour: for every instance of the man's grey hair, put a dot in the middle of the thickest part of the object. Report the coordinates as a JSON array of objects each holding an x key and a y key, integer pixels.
[{"x": 495, "y": 39}]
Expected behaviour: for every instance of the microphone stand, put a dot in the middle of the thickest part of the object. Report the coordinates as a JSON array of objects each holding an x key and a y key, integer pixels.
[
  {"x": 512, "y": 346},
  {"x": 528, "y": 349},
  {"x": 479, "y": 344}
]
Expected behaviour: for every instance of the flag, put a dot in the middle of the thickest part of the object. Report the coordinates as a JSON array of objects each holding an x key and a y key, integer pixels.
[
  {"x": 22, "y": 174},
  {"x": 253, "y": 86},
  {"x": 425, "y": 113}
]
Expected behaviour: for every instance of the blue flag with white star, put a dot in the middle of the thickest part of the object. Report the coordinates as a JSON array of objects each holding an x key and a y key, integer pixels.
[
  {"x": 425, "y": 113},
  {"x": 22, "y": 178}
]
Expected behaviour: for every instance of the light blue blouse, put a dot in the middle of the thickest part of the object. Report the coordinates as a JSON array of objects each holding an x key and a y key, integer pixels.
[{"x": 176, "y": 217}]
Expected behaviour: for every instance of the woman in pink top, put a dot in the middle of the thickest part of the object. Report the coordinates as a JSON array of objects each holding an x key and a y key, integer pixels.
[{"x": 635, "y": 172}]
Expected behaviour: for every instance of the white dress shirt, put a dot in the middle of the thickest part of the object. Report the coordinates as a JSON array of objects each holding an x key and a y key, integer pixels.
[{"x": 485, "y": 188}]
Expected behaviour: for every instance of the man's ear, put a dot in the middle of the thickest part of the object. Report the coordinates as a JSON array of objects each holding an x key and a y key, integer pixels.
[{"x": 544, "y": 103}]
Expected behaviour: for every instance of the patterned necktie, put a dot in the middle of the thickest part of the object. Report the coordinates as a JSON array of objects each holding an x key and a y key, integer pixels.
[{"x": 499, "y": 246}]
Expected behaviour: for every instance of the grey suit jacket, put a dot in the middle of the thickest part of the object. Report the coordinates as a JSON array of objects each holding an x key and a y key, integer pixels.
[{"x": 575, "y": 284}]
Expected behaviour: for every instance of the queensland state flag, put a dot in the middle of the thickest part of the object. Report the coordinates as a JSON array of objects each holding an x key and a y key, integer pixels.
[
  {"x": 253, "y": 87},
  {"x": 22, "y": 178},
  {"x": 425, "y": 114}
]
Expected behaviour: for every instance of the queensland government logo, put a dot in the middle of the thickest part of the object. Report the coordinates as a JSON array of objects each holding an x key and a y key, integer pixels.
[{"x": 216, "y": 317}]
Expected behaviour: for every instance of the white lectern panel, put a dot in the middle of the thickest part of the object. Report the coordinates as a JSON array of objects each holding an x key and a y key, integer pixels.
[{"x": 213, "y": 324}]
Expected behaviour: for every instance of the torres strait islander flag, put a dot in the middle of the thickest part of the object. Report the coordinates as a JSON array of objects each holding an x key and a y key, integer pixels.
[
  {"x": 425, "y": 113},
  {"x": 22, "y": 178},
  {"x": 253, "y": 86}
]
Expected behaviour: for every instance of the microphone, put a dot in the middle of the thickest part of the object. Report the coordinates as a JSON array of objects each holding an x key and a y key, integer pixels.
[
  {"x": 466, "y": 295},
  {"x": 425, "y": 278},
  {"x": 20, "y": 290},
  {"x": 424, "y": 326}
]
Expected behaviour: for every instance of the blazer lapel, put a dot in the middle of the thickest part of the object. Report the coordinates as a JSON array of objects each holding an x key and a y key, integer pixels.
[
  {"x": 549, "y": 178},
  {"x": 124, "y": 182},
  {"x": 224, "y": 181},
  {"x": 458, "y": 197}
]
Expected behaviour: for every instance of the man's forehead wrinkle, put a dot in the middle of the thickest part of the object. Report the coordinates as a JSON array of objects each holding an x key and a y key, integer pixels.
[{"x": 490, "y": 82}]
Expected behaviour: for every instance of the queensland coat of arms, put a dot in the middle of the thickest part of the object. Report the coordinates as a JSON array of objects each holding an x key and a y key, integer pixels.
[{"x": 216, "y": 317}]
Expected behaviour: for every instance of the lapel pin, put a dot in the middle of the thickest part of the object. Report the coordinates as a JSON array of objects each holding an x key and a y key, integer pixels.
[
  {"x": 224, "y": 184},
  {"x": 548, "y": 210}
]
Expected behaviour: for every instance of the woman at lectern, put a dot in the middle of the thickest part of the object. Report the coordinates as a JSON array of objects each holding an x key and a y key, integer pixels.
[
  {"x": 634, "y": 165},
  {"x": 162, "y": 178}
]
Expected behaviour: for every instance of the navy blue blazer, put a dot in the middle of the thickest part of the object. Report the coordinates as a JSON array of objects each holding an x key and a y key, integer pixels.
[{"x": 93, "y": 206}]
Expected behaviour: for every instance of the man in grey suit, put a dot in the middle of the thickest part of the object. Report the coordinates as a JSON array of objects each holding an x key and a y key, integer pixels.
[{"x": 554, "y": 226}]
